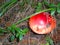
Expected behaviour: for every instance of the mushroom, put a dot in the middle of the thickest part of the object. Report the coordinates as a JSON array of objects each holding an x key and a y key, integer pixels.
[{"x": 42, "y": 23}]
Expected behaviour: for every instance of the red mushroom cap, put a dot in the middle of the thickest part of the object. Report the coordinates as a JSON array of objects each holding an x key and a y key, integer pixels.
[{"x": 42, "y": 23}]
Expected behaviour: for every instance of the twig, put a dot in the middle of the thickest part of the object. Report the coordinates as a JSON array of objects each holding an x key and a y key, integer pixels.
[
  {"x": 6, "y": 37},
  {"x": 12, "y": 8}
]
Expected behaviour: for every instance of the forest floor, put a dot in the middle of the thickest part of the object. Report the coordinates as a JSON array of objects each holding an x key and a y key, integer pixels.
[{"x": 14, "y": 14}]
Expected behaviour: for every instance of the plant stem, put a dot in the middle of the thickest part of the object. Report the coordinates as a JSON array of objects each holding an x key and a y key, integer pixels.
[{"x": 32, "y": 15}]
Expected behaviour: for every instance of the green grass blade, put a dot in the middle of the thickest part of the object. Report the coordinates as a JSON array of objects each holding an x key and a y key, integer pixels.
[
  {"x": 4, "y": 10},
  {"x": 4, "y": 5}
]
